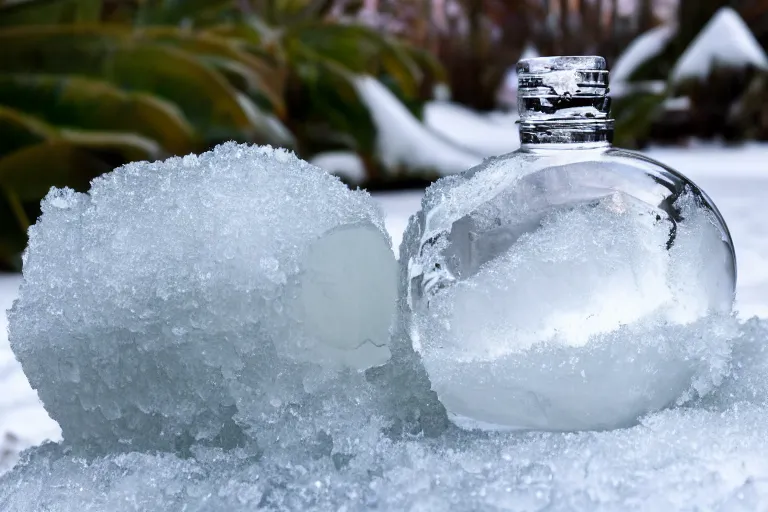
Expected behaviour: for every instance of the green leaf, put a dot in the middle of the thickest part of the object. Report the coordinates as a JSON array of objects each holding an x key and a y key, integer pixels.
[
  {"x": 30, "y": 172},
  {"x": 634, "y": 117},
  {"x": 261, "y": 78},
  {"x": 114, "y": 147},
  {"x": 38, "y": 12},
  {"x": 358, "y": 49},
  {"x": 13, "y": 237},
  {"x": 268, "y": 129},
  {"x": 173, "y": 12},
  {"x": 252, "y": 30},
  {"x": 204, "y": 95},
  {"x": 317, "y": 9},
  {"x": 328, "y": 111},
  {"x": 428, "y": 62},
  {"x": 26, "y": 176},
  {"x": 18, "y": 129},
  {"x": 94, "y": 105}
]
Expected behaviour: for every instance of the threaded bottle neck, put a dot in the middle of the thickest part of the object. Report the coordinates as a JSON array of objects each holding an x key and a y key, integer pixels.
[{"x": 564, "y": 100}]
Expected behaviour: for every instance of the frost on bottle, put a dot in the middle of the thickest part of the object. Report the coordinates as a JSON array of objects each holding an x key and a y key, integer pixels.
[{"x": 569, "y": 285}]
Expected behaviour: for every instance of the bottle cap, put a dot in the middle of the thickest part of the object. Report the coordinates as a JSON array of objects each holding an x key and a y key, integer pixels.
[{"x": 561, "y": 88}]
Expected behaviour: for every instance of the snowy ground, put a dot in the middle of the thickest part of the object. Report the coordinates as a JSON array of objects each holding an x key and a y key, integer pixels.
[{"x": 737, "y": 180}]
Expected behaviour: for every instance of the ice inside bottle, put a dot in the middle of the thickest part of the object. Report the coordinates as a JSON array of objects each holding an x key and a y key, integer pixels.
[{"x": 568, "y": 285}]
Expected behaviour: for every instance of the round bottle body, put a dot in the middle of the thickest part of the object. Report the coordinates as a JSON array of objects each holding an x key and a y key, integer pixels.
[{"x": 545, "y": 287}]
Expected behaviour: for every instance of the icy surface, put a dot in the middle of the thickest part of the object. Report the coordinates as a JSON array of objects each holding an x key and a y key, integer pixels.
[
  {"x": 198, "y": 298},
  {"x": 725, "y": 41},
  {"x": 403, "y": 142},
  {"x": 641, "y": 50}
]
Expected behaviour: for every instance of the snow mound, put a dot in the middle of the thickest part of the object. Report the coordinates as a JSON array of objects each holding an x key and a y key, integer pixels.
[
  {"x": 707, "y": 456},
  {"x": 641, "y": 50},
  {"x": 199, "y": 298},
  {"x": 724, "y": 41},
  {"x": 472, "y": 131},
  {"x": 403, "y": 142}
]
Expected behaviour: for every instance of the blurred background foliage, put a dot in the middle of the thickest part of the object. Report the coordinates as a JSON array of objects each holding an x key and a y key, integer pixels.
[{"x": 87, "y": 85}]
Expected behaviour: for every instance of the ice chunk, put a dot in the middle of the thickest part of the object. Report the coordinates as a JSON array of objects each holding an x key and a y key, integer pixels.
[
  {"x": 697, "y": 457},
  {"x": 604, "y": 312},
  {"x": 196, "y": 299}
]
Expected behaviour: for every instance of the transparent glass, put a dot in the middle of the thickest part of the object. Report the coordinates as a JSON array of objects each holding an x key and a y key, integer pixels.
[{"x": 469, "y": 221}]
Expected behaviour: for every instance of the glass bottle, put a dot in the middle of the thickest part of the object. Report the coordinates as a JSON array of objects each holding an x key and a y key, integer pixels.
[{"x": 566, "y": 285}]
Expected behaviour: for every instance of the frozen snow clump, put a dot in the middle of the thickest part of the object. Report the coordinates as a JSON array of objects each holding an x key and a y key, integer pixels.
[{"x": 200, "y": 298}]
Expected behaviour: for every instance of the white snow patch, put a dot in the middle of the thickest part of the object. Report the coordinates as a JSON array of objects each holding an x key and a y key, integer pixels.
[
  {"x": 622, "y": 89},
  {"x": 681, "y": 103},
  {"x": 471, "y": 130},
  {"x": 21, "y": 414},
  {"x": 726, "y": 41},
  {"x": 641, "y": 50},
  {"x": 403, "y": 141},
  {"x": 345, "y": 164},
  {"x": 398, "y": 207}
]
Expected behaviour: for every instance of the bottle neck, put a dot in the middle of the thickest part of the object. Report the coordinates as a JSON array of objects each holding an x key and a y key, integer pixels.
[
  {"x": 563, "y": 102},
  {"x": 566, "y": 133}
]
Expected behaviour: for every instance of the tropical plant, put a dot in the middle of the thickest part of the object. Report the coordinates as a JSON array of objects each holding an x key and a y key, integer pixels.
[{"x": 86, "y": 85}]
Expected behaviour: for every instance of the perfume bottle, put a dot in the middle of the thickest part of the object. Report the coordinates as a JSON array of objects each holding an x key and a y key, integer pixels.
[{"x": 569, "y": 285}]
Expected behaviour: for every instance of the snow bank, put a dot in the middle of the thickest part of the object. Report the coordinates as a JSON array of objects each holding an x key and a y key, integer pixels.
[
  {"x": 403, "y": 141},
  {"x": 344, "y": 164},
  {"x": 472, "y": 131},
  {"x": 621, "y": 89},
  {"x": 641, "y": 50},
  {"x": 725, "y": 41}
]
